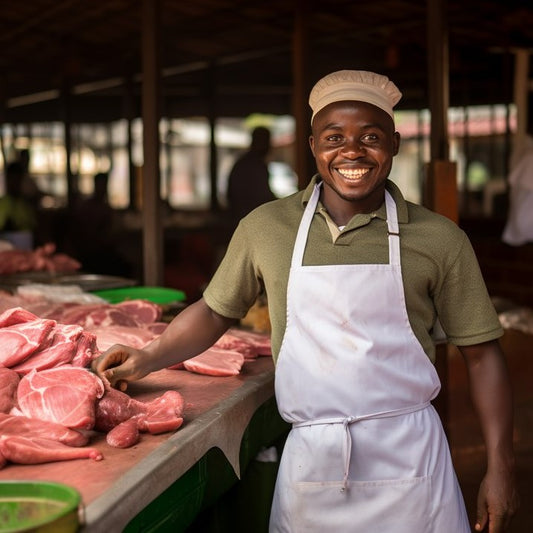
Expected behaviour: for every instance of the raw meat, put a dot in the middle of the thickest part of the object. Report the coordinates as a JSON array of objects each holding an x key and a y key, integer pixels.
[
  {"x": 114, "y": 408},
  {"x": 143, "y": 311},
  {"x": 36, "y": 450},
  {"x": 19, "y": 341},
  {"x": 31, "y": 427},
  {"x": 163, "y": 414},
  {"x": 261, "y": 341},
  {"x": 9, "y": 381},
  {"x": 61, "y": 350},
  {"x": 124, "y": 435},
  {"x": 229, "y": 341},
  {"x": 86, "y": 350},
  {"x": 66, "y": 395},
  {"x": 92, "y": 315},
  {"x": 16, "y": 315},
  {"x": 137, "y": 337},
  {"x": 42, "y": 258},
  {"x": 216, "y": 362},
  {"x": 122, "y": 417}
]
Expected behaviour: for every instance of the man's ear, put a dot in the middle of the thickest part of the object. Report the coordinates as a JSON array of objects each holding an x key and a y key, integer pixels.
[
  {"x": 312, "y": 144},
  {"x": 397, "y": 141}
]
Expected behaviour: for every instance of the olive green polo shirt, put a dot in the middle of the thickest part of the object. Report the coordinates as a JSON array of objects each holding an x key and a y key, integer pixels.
[{"x": 441, "y": 275}]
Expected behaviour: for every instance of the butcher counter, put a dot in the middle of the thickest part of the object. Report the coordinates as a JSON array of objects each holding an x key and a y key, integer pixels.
[{"x": 164, "y": 481}]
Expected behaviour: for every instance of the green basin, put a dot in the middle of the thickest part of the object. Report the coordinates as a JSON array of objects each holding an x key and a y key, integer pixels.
[
  {"x": 38, "y": 506},
  {"x": 158, "y": 295}
]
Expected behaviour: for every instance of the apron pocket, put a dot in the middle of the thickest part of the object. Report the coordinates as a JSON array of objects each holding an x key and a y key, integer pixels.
[{"x": 399, "y": 506}]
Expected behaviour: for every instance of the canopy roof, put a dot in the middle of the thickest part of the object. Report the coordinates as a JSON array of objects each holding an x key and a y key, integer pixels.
[{"x": 240, "y": 51}]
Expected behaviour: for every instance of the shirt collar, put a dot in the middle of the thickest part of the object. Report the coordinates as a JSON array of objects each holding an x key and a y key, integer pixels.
[{"x": 401, "y": 204}]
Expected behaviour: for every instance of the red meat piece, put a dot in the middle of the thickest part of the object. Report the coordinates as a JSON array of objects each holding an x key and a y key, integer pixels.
[
  {"x": 66, "y": 395},
  {"x": 261, "y": 341},
  {"x": 26, "y": 451},
  {"x": 61, "y": 350},
  {"x": 143, "y": 311},
  {"x": 232, "y": 342},
  {"x": 31, "y": 427},
  {"x": 163, "y": 414},
  {"x": 124, "y": 435},
  {"x": 86, "y": 350},
  {"x": 19, "y": 341},
  {"x": 16, "y": 315},
  {"x": 9, "y": 381},
  {"x": 136, "y": 337},
  {"x": 158, "y": 416},
  {"x": 216, "y": 362}
]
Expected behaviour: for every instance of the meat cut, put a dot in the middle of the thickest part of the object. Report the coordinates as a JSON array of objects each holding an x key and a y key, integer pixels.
[
  {"x": 36, "y": 450},
  {"x": 9, "y": 381},
  {"x": 216, "y": 362},
  {"x": 143, "y": 311},
  {"x": 28, "y": 342},
  {"x": 30, "y": 441},
  {"x": 123, "y": 417},
  {"x": 43, "y": 258},
  {"x": 61, "y": 349},
  {"x": 31, "y": 427},
  {"x": 19, "y": 341},
  {"x": 135, "y": 337},
  {"x": 66, "y": 395}
]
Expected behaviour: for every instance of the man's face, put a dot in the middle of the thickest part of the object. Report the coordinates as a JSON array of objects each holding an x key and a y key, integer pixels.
[{"x": 353, "y": 144}]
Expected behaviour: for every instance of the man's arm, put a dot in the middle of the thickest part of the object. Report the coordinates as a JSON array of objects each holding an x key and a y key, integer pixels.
[
  {"x": 492, "y": 398},
  {"x": 194, "y": 330}
]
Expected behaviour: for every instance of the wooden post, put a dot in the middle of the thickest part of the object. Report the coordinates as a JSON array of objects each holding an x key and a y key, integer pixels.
[
  {"x": 300, "y": 107},
  {"x": 440, "y": 185},
  {"x": 151, "y": 202}
]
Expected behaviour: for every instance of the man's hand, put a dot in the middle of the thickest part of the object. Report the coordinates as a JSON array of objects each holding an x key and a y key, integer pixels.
[
  {"x": 497, "y": 502},
  {"x": 121, "y": 364}
]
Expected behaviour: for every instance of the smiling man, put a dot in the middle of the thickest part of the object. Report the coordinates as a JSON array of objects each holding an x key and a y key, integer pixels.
[{"x": 356, "y": 279}]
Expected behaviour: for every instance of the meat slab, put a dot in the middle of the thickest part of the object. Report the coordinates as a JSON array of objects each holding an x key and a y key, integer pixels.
[
  {"x": 36, "y": 450},
  {"x": 66, "y": 395},
  {"x": 31, "y": 427},
  {"x": 216, "y": 362},
  {"x": 123, "y": 417},
  {"x": 9, "y": 381}
]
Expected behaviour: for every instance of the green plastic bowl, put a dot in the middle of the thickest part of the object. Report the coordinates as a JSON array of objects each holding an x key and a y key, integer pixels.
[
  {"x": 158, "y": 295},
  {"x": 38, "y": 506}
]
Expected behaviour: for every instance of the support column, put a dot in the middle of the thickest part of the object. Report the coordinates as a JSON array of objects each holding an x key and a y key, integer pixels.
[
  {"x": 440, "y": 190},
  {"x": 300, "y": 89},
  {"x": 151, "y": 202}
]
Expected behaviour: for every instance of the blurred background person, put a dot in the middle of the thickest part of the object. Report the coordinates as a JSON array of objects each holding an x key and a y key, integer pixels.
[
  {"x": 18, "y": 218},
  {"x": 248, "y": 181},
  {"x": 93, "y": 233}
]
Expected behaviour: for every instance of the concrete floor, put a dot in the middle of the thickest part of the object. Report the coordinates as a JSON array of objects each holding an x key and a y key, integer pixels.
[{"x": 465, "y": 434}]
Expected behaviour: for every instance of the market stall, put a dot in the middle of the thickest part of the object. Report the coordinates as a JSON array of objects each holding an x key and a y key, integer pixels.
[{"x": 236, "y": 415}]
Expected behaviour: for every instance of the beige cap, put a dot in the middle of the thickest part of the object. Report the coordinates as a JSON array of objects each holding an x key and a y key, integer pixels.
[{"x": 359, "y": 85}]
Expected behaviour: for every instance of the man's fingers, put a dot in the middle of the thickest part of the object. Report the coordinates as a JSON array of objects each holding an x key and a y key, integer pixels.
[{"x": 116, "y": 379}]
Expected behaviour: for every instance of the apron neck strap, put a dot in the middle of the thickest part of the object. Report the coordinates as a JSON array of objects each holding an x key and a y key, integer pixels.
[{"x": 301, "y": 237}]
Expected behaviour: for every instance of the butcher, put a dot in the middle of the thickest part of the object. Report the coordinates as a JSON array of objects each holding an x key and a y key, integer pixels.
[{"x": 357, "y": 280}]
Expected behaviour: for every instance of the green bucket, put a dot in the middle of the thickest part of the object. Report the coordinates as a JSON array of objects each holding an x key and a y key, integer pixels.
[{"x": 38, "y": 506}]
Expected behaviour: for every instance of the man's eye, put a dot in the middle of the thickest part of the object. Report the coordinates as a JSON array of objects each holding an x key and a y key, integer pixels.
[
  {"x": 334, "y": 138},
  {"x": 370, "y": 137}
]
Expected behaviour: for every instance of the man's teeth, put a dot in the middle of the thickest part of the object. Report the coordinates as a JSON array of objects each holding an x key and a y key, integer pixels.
[{"x": 353, "y": 174}]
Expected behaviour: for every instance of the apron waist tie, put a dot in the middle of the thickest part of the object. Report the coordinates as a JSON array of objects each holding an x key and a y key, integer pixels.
[{"x": 346, "y": 421}]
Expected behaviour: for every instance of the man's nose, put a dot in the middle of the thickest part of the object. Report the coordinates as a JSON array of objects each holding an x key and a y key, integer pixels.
[{"x": 353, "y": 148}]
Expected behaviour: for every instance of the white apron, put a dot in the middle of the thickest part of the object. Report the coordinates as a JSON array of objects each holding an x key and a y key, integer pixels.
[{"x": 367, "y": 452}]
